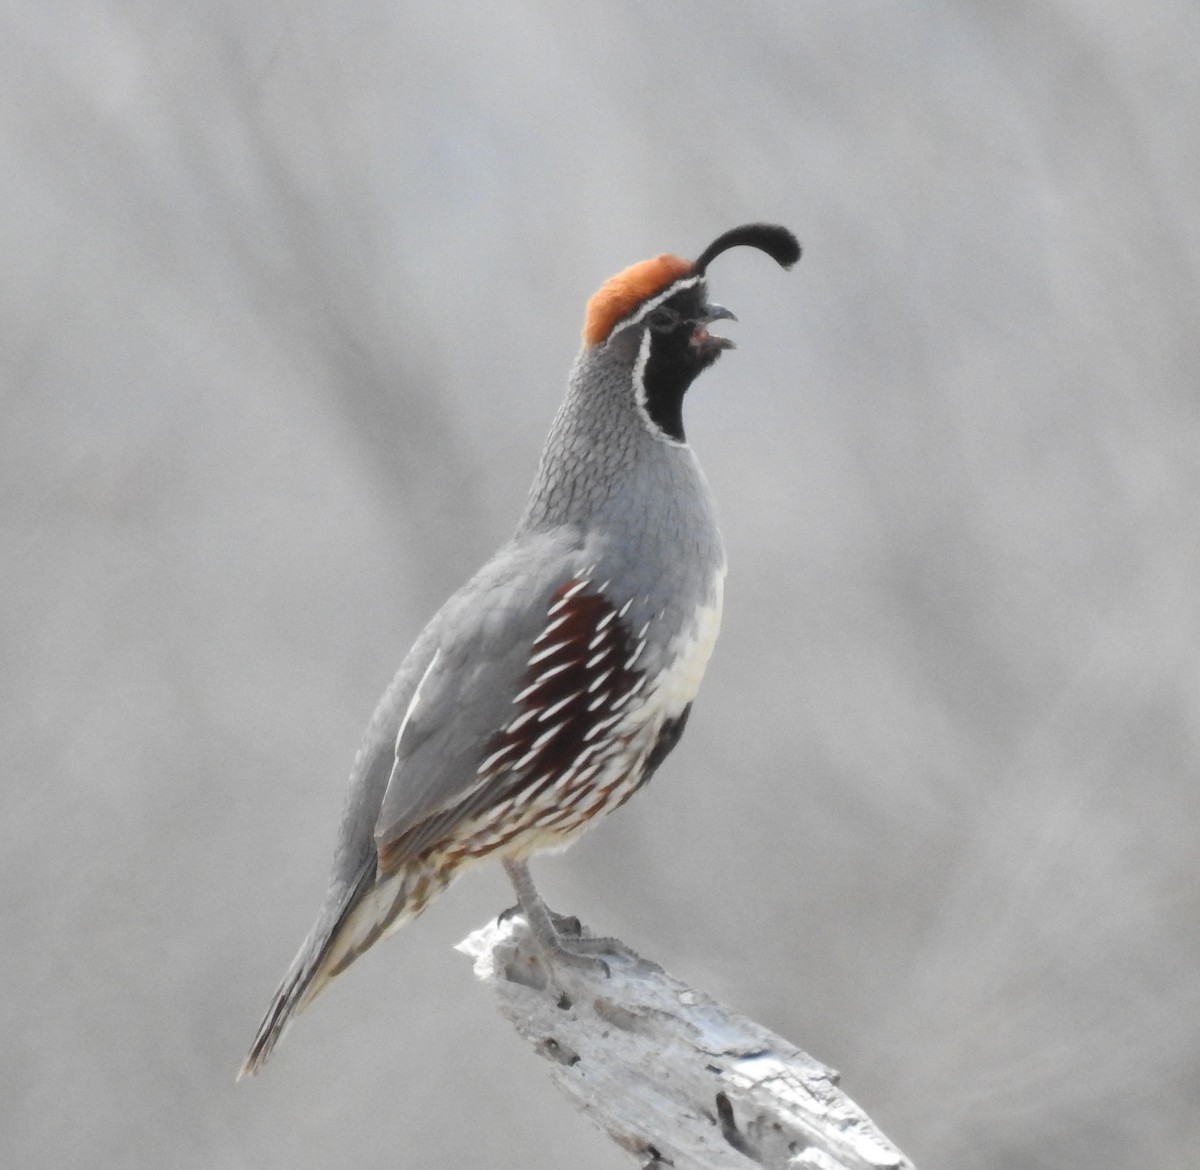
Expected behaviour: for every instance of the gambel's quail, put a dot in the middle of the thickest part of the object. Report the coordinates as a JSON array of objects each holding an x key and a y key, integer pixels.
[{"x": 547, "y": 690}]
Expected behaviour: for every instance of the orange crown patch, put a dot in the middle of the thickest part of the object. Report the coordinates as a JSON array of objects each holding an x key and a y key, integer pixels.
[{"x": 620, "y": 295}]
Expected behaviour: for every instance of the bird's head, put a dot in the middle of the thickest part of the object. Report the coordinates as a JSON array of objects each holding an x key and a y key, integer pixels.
[{"x": 655, "y": 316}]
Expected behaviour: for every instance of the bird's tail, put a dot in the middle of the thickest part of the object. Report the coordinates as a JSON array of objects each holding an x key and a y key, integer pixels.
[
  {"x": 318, "y": 961},
  {"x": 368, "y": 911}
]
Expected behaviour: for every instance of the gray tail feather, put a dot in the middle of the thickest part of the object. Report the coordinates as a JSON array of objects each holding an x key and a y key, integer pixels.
[{"x": 305, "y": 980}]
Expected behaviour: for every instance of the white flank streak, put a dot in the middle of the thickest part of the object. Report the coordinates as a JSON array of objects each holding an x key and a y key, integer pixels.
[
  {"x": 558, "y": 621},
  {"x": 549, "y": 674},
  {"x": 596, "y": 659},
  {"x": 587, "y": 773},
  {"x": 546, "y": 737},
  {"x": 496, "y": 756},
  {"x": 636, "y": 654},
  {"x": 551, "y": 711},
  {"x": 599, "y": 700},
  {"x": 598, "y": 681},
  {"x": 537, "y": 746},
  {"x": 523, "y": 796},
  {"x": 551, "y": 649},
  {"x": 625, "y": 608},
  {"x": 521, "y": 720},
  {"x": 602, "y": 725},
  {"x": 583, "y": 757},
  {"x": 526, "y": 759},
  {"x": 633, "y": 690},
  {"x": 579, "y": 585},
  {"x": 521, "y": 696},
  {"x": 412, "y": 703},
  {"x": 533, "y": 686}
]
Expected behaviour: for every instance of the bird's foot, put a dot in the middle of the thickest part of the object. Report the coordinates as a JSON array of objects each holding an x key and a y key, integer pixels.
[
  {"x": 572, "y": 947},
  {"x": 560, "y": 937},
  {"x": 567, "y": 925}
]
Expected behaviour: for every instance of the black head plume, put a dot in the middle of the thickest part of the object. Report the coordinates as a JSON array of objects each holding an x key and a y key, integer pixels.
[{"x": 776, "y": 241}]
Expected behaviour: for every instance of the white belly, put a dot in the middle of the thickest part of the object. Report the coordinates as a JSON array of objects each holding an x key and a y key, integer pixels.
[{"x": 688, "y": 655}]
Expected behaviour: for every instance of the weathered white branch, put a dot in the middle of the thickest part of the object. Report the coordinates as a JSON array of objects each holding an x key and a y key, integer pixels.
[{"x": 672, "y": 1076}]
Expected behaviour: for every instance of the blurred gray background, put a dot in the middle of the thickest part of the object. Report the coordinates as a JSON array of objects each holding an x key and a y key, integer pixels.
[{"x": 289, "y": 296}]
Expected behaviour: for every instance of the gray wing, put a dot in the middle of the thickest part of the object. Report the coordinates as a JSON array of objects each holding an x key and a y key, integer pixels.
[
  {"x": 419, "y": 754},
  {"x": 473, "y": 656},
  {"x": 355, "y": 853}
]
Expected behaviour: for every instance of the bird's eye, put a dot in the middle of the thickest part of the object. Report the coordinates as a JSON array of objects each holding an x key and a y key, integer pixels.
[{"x": 663, "y": 319}]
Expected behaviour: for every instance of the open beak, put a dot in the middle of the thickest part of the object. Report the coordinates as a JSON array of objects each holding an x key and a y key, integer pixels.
[{"x": 701, "y": 336}]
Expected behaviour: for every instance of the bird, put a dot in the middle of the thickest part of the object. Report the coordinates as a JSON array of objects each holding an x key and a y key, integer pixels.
[{"x": 552, "y": 685}]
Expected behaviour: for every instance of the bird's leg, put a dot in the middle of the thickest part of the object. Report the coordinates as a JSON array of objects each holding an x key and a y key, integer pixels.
[{"x": 544, "y": 924}]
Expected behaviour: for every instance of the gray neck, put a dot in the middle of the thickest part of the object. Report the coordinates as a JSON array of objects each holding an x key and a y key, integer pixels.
[{"x": 601, "y": 456}]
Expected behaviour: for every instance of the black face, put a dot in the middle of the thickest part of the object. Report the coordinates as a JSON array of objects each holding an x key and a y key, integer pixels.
[{"x": 680, "y": 348}]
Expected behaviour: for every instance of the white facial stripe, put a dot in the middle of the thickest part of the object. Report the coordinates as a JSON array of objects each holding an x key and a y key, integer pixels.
[
  {"x": 639, "y": 392},
  {"x": 639, "y": 380},
  {"x": 653, "y": 303}
]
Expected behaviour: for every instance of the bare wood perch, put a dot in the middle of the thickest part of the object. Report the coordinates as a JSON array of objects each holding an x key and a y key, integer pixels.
[{"x": 674, "y": 1078}]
